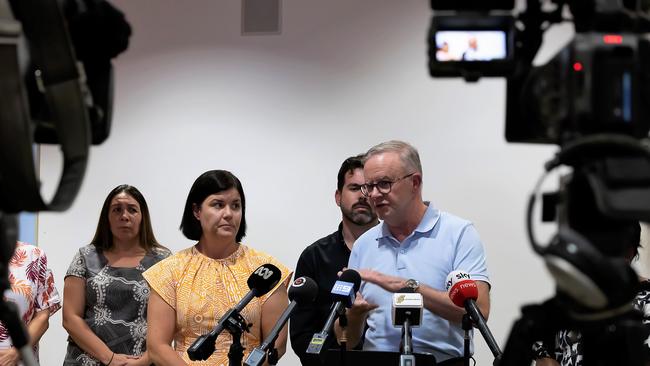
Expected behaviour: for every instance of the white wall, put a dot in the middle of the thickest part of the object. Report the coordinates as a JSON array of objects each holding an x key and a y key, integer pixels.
[{"x": 282, "y": 112}]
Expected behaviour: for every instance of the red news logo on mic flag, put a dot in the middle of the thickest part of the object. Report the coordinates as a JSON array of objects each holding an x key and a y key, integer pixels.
[{"x": 461, "y": 287}]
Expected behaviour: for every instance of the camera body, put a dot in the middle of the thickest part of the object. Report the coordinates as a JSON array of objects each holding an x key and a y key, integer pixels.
[
  {"x": 598, "y": 83},
  {"x": 592, "y": 99}
]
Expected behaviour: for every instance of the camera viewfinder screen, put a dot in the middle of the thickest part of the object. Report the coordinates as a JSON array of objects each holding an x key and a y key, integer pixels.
[{"x": 463, "y": 45}]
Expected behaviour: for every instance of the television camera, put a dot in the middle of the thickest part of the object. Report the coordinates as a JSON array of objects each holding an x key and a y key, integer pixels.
[
  {"x": 592, "y": 99},
  {"x": 55, "y": 88}
]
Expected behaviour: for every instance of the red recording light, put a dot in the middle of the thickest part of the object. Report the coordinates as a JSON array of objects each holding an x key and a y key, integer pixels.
[
  {"x": 613, "y": 39},
  {"x": 577, "y": 66}
]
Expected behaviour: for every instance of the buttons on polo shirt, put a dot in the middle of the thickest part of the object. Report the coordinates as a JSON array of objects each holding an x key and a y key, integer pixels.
[{"x": 400, "y": 263}]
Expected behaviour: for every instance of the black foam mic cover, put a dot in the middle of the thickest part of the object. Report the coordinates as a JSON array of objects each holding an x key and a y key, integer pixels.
[
  {"x": 350, "y": 275},
  {"x": 303, "y": 290},
  {"x": 263, "y": 279}
]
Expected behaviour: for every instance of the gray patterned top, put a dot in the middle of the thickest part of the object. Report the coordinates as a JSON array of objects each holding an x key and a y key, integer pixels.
[{"x": 116, "y": 303}]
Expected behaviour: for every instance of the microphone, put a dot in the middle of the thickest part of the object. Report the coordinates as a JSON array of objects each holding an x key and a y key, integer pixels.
[
  {"x": 463, "y": 292},
  {"x": 343, "y": 293},
  {"x": 406, "y": 312},
  {"x": 260, "y": 282},
  {"x": 407, "y": 305},
  {"x": 303, "y": 290}
]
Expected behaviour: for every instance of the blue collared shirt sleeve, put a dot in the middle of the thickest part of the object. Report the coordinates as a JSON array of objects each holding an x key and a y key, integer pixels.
[{"x": 470, "y": 254}]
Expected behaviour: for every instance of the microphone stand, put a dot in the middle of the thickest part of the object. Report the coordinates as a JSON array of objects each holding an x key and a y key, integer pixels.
[
  {"x": 319, "y": 339},
  {"x": 236, "y": 325},
  {"x": 406, "y": 358},
  {"x": 467, "y": 326},
  {"x": 257, "y": 356},
  {"x": 343, "y": 323},
  {"x": 204, "y": 346},
  {"x": 272, "y": 354},
  {"x": 478, "y": 318}
]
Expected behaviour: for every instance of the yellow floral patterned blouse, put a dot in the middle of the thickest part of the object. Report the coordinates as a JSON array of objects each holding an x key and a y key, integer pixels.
[{"x": 202, "y": 289}]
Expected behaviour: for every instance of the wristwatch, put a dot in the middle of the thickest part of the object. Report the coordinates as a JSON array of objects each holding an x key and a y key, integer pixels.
[{"x": 413, "y": 284}]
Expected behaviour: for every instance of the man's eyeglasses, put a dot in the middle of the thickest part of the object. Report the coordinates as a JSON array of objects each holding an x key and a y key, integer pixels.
[{"x": 383, "y": 186}]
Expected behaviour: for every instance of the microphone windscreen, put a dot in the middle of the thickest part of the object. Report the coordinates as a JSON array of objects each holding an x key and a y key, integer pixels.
[
  {"x": 352, "y": 276},
  {"x": 263, "y": 279},
  {"x": 303, "y": 290},
  {"x": 461, "y": 288}
]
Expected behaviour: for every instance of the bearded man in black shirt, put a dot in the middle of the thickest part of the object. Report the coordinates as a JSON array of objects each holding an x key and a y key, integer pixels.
[{"x": 323, "y": 259}]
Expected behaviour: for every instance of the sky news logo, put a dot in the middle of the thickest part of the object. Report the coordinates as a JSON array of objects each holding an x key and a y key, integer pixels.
[{"x": 455, "y": 277}]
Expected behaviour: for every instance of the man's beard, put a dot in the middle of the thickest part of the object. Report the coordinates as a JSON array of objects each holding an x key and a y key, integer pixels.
[{"x": 359, "y": 217}]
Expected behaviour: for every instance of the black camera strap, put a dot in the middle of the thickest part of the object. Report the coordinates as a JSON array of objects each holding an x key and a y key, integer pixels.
[{"x": 63, "y": 85}]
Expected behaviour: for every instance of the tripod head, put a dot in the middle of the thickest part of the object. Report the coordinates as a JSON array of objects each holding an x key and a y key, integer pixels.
[{"x": 597, "y": 208}]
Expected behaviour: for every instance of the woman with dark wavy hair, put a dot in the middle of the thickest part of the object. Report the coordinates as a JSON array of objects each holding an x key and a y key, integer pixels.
[{"x": 105, "y": 295}]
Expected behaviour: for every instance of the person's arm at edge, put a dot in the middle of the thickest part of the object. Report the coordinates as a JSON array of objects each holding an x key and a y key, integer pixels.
[
  {"x": 272, "y": 309},
  {"x": 35, "y": 328},
  {"x": 46, "y": 301},
  {"x": 38, "y": 325},
  {"x": 356, "y": 317},
  {"x": 470, "y": 257},
  {"x": 161, "y": 325},
  {"x": 354, "y": 330}
]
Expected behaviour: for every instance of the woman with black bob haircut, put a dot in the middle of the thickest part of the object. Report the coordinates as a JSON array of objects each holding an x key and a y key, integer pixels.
[
  {"x": 211, "y": 182},
  {"x": 105, "y": 295},
  {"x": 192, "y": 289}
]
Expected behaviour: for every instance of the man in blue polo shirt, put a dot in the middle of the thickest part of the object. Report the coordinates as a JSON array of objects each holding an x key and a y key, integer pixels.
[{"x": 416, "y": 246}]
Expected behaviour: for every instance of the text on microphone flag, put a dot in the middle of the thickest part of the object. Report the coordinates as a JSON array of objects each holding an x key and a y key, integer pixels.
[
  {"x": 454, "y": 277},
  {"x": 298, "y": 282},
  {"x": 462, "y": 291},
  {"x": 264, "y": 272},
  {"x": 342, "y": 288}
]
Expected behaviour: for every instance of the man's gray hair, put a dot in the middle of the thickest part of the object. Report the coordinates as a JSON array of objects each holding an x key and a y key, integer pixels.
[{"x": 407, "y": 153}]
